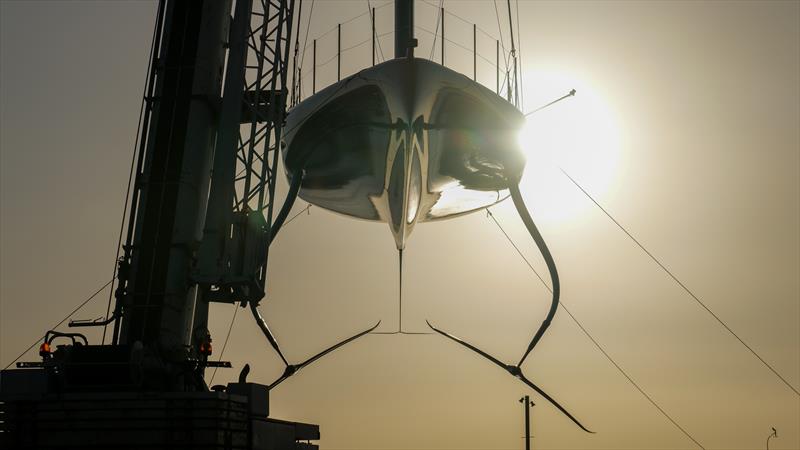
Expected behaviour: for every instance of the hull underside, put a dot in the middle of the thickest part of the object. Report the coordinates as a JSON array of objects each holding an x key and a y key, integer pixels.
[{"x": 403, "y": 142}]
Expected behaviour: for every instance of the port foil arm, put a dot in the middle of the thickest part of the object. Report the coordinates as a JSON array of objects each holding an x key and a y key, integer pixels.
[
  {"x": 292, "y": 369},
  {"x": 291, "y": 196},
  {"x": 262, "y": 324},
  {"x": 516, "y": 370}
]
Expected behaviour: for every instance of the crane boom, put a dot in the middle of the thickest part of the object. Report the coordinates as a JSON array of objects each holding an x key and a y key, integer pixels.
[{"x": 199, "y": 226}]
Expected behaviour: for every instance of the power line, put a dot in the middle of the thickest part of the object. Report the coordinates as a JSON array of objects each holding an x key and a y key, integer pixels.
[
  {"x": 688, "y": 291},
  {"x": 591, "y": 338},
  {"x": 62, "y": 321}
]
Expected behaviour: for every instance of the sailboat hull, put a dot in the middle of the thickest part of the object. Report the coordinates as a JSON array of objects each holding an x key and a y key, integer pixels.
[{"x": 403, "y": 142}]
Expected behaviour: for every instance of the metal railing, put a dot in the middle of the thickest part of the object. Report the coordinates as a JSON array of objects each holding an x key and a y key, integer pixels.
[{"x": 322, "y": 60}]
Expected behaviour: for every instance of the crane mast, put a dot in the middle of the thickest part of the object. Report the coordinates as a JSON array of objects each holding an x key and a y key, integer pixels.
[
  {"x": 199, "y": 226},
  {"x": 157, "y": 299},
  {"x": 198, "y": 230}
]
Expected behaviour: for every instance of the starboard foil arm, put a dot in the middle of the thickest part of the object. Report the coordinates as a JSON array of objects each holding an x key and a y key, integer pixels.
[
  {"x": 291, "y": 369},
  {"x": 516, "y": 370},
  {"x": 519, "y": 203}
]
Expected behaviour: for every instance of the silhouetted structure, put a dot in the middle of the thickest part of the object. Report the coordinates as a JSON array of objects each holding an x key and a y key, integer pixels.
[
  {"x": 146, "y": 389},
  {"x": 527, "y": 404}
]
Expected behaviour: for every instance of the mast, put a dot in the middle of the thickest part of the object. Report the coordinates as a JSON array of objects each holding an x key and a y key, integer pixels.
[{"x": 404, "y": 42}]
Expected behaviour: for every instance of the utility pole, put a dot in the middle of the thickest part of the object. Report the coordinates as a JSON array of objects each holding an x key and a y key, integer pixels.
[{"x": 526, "y": 405}]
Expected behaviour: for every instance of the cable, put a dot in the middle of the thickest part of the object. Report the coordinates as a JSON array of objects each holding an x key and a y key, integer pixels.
[
  {"x": 519, "y": 52},
  {"x": 502, "y": 42},
  {"x": 400, "y": 289},
  {"x": 225, "y": 344},
  {"x": 499, "y": 29},
  {"x": 377, "y": 40},
  {"x": 688, "y": 291},
  {"x": 359, "y": 44},
  {"x": 62, "y": 321},
  {"x": 236, "y": 309},
  {"x": 433, "y": 5},
  {"x": 591, "y": 338},
  {"x": 438, "y": 20},
  {"x": 133, "y": 162},
  {"x": 417, "y": 27},
  {"x": 295, "y": 67},
  {"x": 306, "y": 209},
  {"x": 308, "y": 28}
]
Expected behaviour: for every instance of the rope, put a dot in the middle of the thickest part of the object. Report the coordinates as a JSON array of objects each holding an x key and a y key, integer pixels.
[
  {"x": 680, "y": 283},
  {"x": 62, "y": 321}
]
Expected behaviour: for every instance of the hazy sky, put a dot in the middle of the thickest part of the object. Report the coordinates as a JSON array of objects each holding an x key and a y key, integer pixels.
[{"x": 686, "y": 127}]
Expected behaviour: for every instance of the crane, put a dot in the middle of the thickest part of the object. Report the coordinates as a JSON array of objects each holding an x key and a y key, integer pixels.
[{"x": 199, "y": 218}]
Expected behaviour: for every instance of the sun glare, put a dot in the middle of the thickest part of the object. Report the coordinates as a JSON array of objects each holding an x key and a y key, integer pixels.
[{"x": 579, "y": 134}]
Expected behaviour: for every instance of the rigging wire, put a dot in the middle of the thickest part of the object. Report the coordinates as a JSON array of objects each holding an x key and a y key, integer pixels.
[
  {"x": 377, "y": 38},
  {"x": 225, "y": 344},
  {"x": 308, "y": 28},
  {"x": 436, "y": 33},
  {"x": 513, "y": 55},
  {"x": 519, "y": 53},
  {"x": 591, "y": 338},
  {"x": 400, "y": 304},
  {"x": 680, "y": 283},
  {"x": 400, "y": 288},
  {"x": 506, "y": 54},
  {"x": 488, "y": 61},
  {"x": 335, "y": 27},
  {"x": 448, "y": 12},
  {"x": 499, "y": 28},
  {"x": 77, "y": 308},
  {"x": 295, "y": 68},
  {"x": 307, "y": 209},
  {"x": 147, "y": 76}
]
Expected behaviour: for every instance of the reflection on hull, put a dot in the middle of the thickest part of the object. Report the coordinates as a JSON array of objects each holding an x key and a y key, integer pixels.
[{"x": 403, "y": 142}]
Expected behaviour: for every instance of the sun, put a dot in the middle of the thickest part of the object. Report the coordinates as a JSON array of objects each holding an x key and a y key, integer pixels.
[{"x": 580, "y": 135}]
